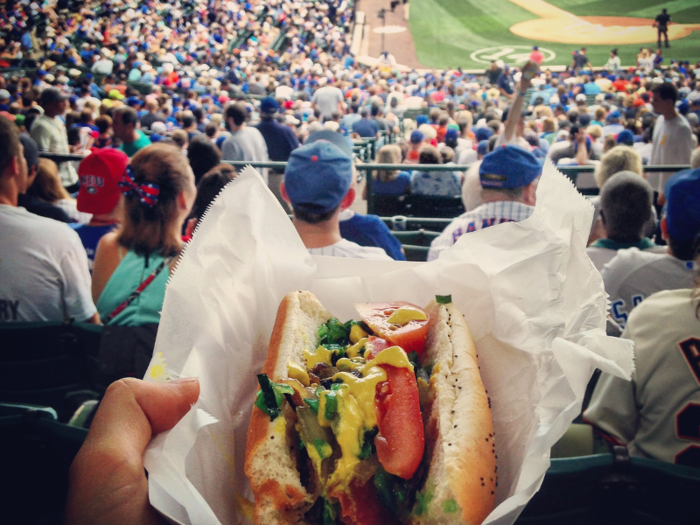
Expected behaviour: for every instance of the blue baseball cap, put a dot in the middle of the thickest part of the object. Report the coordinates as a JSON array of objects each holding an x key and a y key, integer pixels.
[
  {"x": 613, "y": 114},
  {"x": 483, "y": 147},
  {"x": 509, "y": 167},
  {"x": 421, "y": 119},
  {"x": 269, "y": 105},
  {"x": 451, "y": 134},
  {"x": 682, "y": 192},
  {"x": 317, "y": 177},
  {"x": 131, "y": 101},
  {"x": 483, "y": 134},
  {"x": 417, "y": 137},
  {"x": 625, "y": 137}
]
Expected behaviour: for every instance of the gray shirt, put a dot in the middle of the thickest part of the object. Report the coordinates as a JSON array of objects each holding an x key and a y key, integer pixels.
[
  {"x": 246, "y": 144},
  {"x": 327, "y": 99}
]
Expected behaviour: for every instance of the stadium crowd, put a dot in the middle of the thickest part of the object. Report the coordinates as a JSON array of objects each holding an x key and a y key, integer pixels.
[{"x": 155, "y": 96}]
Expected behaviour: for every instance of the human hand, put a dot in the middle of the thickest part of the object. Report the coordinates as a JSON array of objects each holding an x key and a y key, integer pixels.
[{"x": 107, "y": 482}]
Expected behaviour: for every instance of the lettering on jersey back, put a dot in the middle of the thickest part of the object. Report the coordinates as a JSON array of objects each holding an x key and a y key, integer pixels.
[
  {"x": 9, "y": 310},
  {"x": 691, "y": 352}
]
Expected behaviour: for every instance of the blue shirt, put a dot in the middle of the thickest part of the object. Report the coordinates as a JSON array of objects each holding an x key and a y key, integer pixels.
[
  {"x": 370, "y": 230},
  {"x": 505, "y": 82},
  {"x": 366, "y": 127},
  {"x": 592, "y": 88},
  {"x": 90, "y": 236},
  {"x": 436, "y": 184},
  {"x": 398, "y": 186},
  {"x": 280, "y": 139}
]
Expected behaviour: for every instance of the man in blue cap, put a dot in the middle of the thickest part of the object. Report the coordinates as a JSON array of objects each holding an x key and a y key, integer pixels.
[
  {"x": 280, "y": 140},
  {"x": 613, "y": 125},
  {"x": 318, "y": 183},
  {"x": 509, "y": 178}
]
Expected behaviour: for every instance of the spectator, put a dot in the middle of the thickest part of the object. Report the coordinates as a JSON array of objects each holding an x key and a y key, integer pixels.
[
  {"x": 208, "y": 188},
  {"x": 625, "y": 207},
  {"x": 48, "y": 189},
  {"x": 508, "y": 178},
  {"x": 202, "y": 156},
  {"x": 159, "y": 192},
  {"x": 280, "y": 141},
  {"x": 672, "y": 139},
  {"x": 104, "y": 127},
  {"x": 434, "y": 183},
  {"x": 152, "y": 116},
  {"x": 613, "y": 126},
  {"x": 29, "y": 202},
  {"x": 366, "y": 127},
  {"x": 650, "y": 413},
  {"x": 244, "y": 143},
  {"x": 100, "y": 196},
  {"x": 633, "y": 275},
  {"x": 124, "y": 124},
  {"x": 613, "y": 63},
  {"x": 49, "y": 132},
  {"x": 390, "y": 182},
  {"x": 318, "y": 185},
  {"x": 45, "y": 259},
  {"x": 327, "y": 99},
  {"x": 505, "y": 82},
  {"x": 414, "y": 147}
]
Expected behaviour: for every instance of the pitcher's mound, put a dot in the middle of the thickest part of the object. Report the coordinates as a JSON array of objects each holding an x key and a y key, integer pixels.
[{"x": 597, "y": 30}]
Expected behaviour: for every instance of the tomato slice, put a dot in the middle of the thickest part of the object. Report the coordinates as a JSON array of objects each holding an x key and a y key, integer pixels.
[
  {"x": 410, "y": 336},
  {"x": 375, "y": 345},
  {"x": 401, "y": 440},
  {"x": 361, "y": 506}
]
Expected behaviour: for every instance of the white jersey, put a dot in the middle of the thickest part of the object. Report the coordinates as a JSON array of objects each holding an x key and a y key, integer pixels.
[
  {"x": 602, "y": 251},
  {"x": 672, "y": 144},
  {"x": 43, "y": 268},
  {"x": 656, "y": 414},
  {"x": 484, "y": 216},
  {"x": 634, "y": 275},
  {"x": 345, "y": 248}
]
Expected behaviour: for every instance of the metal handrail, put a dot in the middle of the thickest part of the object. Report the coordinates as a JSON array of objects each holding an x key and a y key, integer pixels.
[{"x": 280, "y": 166}]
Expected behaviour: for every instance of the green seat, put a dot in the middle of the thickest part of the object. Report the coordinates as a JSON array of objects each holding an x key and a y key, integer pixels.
[
  {"x": 426, "y": 206},
  {"x": 48, "y": 364},
  {"x": 613, "y": 489},
  {"x": 413, "y": 113},
  {"x": 416, "y": 253},
  {"x": 37, "y": 452},
  {"x": 142, "y": 87},
  {"x": 418, "y": 237}
]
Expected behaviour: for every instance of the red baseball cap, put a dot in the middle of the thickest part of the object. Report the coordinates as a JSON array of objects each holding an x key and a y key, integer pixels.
[{"x": 100, "y": 173}]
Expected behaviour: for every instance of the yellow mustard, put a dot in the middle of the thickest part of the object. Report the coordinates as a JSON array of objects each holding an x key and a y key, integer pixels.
[
  {"x": 357, "y": 333},
  {"x": 354, "y": 350},
  {"x": 298, "y": 372},
  {"x": 405, "y": 315},
  {"x": 344, "y": 364},
  {"x": 321, "y": 355}
]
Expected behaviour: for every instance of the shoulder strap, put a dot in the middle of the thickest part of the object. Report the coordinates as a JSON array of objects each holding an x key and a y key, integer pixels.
[{"x": 134, "y": 295}]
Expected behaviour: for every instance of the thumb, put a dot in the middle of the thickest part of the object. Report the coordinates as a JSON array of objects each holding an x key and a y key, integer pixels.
[{"x": 132, "y": 411}]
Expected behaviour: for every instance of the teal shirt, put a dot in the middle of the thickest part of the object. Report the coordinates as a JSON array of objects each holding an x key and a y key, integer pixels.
[
  {"x": 644, "y": 244},
  {"x": 130, "y": 273},
  {"x": 139, "y": 143}
]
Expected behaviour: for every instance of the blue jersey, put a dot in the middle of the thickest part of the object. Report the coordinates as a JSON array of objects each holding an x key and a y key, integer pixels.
[
  {"x": 90, "y": 236},
  {"x": 370, "y": 230}
]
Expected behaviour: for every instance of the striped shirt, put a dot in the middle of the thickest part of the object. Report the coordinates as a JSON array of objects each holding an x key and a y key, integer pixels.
[
  {"x": 345, "y": 248},
  {"x": 482, "y": 217}
]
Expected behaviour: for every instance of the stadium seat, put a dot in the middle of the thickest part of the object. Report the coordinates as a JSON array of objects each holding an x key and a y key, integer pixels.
[
  {"x": 49, "y": 364},
  {"x": 37, "y": 451},
  {"x": 614, "y": 489},
  {"x": 425, "y": 206}
]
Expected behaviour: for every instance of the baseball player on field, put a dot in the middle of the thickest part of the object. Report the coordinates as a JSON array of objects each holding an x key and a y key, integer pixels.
[{"x": 633, "y": 275}]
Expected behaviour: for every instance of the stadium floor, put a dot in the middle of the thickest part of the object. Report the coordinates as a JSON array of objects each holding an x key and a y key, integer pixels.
[{"x": 470, "y": 33}]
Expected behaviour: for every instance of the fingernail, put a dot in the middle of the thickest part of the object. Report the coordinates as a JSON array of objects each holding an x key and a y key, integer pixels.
[{"x": 186, "y": 380}]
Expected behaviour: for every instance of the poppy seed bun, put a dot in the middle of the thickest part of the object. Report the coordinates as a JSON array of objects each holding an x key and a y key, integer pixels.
[{"x": 461, "y": 482}]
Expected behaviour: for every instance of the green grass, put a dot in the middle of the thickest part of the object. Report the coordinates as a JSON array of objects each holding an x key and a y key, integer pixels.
[{"x": 447, "y": 32}]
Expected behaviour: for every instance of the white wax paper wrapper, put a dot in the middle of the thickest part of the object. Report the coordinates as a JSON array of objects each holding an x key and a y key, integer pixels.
[{"x": 533, "y": 301}]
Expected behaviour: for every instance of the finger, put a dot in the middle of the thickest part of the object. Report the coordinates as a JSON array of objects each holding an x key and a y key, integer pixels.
[{"x": 133, "y": 410}]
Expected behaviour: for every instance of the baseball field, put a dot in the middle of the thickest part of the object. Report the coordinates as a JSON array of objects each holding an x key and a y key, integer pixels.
[{"x": 471, "y": 33}]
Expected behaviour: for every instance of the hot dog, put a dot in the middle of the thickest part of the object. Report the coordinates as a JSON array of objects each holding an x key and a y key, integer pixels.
[{"x": 378, "y": 421}]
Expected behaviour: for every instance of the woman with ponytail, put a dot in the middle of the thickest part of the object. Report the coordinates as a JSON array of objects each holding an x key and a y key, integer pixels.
[{"x": 132, "y": 264}]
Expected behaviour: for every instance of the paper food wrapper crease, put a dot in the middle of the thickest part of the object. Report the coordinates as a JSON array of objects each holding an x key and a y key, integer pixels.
[{"x": 533, "y": 300}]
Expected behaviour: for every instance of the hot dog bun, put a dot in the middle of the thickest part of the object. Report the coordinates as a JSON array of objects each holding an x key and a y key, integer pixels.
[
  {"x": 270, "y": 463},
  {"x": 460, "y": 454},
  {"x": 460, "y": 447}
]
